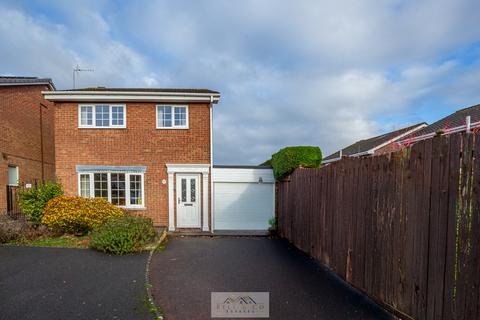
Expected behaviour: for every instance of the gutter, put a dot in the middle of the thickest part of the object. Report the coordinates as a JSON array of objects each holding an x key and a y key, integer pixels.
[
  {"x": 363, "y": 153},
  {"x": 423, "y": 125},
  {"x": 49, "y": 84},
  {"x": 330, "y": 160},
  {"x": 130, "y": 96}
]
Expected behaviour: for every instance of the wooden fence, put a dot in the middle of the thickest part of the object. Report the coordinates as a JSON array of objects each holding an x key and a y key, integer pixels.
[{"x": 404, "y": 228}]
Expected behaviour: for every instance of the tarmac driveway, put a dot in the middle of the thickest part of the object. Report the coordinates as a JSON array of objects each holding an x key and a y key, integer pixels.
[
  {"x": 185, "y": 274},
  {"x": 55, "y": 283}
]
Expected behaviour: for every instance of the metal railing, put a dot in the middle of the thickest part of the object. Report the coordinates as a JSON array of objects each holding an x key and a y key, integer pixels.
[{"x": 13, "y": 208}]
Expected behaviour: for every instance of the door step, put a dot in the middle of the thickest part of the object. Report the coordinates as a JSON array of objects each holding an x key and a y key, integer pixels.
[{"x": 220, "y": 233}]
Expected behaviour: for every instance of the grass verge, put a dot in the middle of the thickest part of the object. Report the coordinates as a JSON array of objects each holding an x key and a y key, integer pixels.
[{"x": 64, "y": 241}]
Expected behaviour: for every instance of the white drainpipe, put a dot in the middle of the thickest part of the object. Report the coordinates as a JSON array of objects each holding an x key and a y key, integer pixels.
[{"x": 211, "y": 165}]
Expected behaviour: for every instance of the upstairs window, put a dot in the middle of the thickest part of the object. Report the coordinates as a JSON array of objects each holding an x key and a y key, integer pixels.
[
  {"x": 86, "y": 116},
  {"x": 101, "y": 116},
  {"x": 172, "y": 117},
  {"x": 117, "y": 115}
]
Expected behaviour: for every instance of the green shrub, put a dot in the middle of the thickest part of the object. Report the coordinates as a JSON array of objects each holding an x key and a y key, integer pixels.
[
  {"x": 32, "y": 201},
  {"x": 78, "y": 215},
  {"x": 288, "y": 159},
  {"x": 123, "y": 235}
]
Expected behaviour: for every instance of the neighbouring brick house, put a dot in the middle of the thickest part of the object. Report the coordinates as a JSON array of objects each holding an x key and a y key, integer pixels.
[
  {"x": 148, "y": 150},
  {"x": 463, "y": 120},
  {"x": 27, "y": 154},
  {"x": 375, "y": 146}
]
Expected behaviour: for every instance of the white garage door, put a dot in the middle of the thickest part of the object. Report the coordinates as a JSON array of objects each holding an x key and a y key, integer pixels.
[{"x": 244, "y": 198}]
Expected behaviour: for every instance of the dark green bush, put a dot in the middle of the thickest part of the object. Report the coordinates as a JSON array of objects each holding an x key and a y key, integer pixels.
[
  {"x": 123, "y": 235},
  {"x": 288, "y": 159},
  {"x": 32, "y": 201}
]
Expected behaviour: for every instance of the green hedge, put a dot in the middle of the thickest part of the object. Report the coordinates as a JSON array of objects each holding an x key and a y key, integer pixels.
[{"x": 288, "y": 159}]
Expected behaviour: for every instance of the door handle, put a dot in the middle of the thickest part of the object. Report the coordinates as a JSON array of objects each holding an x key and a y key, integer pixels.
[{"x": 178, "y": 200}]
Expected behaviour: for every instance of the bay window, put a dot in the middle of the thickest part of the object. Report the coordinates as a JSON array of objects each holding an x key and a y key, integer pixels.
[
  {"x": 120, "y": 188},
  {"x": 117, "y": 184},
  {"x": 135, "y": 189},
  {"x": 85, "y": 185}
]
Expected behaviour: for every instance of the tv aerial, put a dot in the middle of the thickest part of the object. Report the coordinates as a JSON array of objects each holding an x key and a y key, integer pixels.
[{"x": 77, "y": 70}]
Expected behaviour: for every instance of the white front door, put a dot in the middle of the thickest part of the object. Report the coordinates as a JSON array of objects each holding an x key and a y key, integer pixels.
[{"x": 188, "y": 200}]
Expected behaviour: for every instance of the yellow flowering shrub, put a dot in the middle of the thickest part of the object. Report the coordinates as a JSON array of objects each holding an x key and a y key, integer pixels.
[{"x": 77, "y": 214}]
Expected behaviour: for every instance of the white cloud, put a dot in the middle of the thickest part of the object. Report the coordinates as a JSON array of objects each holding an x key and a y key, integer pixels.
[
  {"x": 290, "y": 73},
  {"x": 52, "y": 50}
]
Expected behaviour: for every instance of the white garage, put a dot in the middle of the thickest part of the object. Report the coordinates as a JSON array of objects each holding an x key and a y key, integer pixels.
[{"x": 243, "y": 198}]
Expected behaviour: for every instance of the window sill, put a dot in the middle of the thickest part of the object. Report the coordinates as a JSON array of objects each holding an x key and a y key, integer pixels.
[
  {"x": 172, "y": 128},
  {"x": 124, "y": 127},
  {"x": 133, "y": 208}
]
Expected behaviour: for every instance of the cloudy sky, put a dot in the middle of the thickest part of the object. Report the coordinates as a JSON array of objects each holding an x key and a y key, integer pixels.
[{"x": 323, "y": 73}]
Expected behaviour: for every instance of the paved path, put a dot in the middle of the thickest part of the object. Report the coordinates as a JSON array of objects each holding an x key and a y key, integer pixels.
[
  {"x": 184, "y": 275},
  {"x": 54, "y": 283}
]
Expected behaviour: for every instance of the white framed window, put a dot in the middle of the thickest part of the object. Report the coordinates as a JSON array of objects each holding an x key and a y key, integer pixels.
[
  {"x": 102, "y": 116},
  {"x": 85, "y": 190},
  {"x": 136, "y": 190},
  {"x": 118, "y": 188},
  {"x": 118, "y": 114},
  {"x": 172, "y": 117},
  {"x": 86, "y": 116},
  {"x": 100, "y": 185},
  {"x": 123, "y": 189}
]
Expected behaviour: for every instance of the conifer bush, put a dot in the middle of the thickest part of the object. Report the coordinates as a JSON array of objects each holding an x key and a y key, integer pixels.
[{"x": 288, "y": 159}]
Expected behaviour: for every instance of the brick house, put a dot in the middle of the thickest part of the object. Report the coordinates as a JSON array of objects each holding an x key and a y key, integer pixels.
[
  {"x": 377, "y": 145},
  {"x": 463, "y": 120},
  {"x": 147, "y": 150},
  {"x": 27, "y": 154}
]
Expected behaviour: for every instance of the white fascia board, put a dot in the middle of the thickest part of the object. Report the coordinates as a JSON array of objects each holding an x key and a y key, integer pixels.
[
  {"x": 364, "y": 153},
  {"x": 372, "y": 151},
  {"x": 50, "y": 85},
  {"x": 131, "y": 96},
  {"x": 331, "y": 160},
  {"x": 446, "y": 132},
  {"x": 242, "y": 175},
  {"x": 423, "y": 125}
]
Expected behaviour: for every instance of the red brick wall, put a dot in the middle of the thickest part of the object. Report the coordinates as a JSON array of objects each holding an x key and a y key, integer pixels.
[
  {"x": 20, "y": 135},
  {"x": 140, "y": 144}
]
